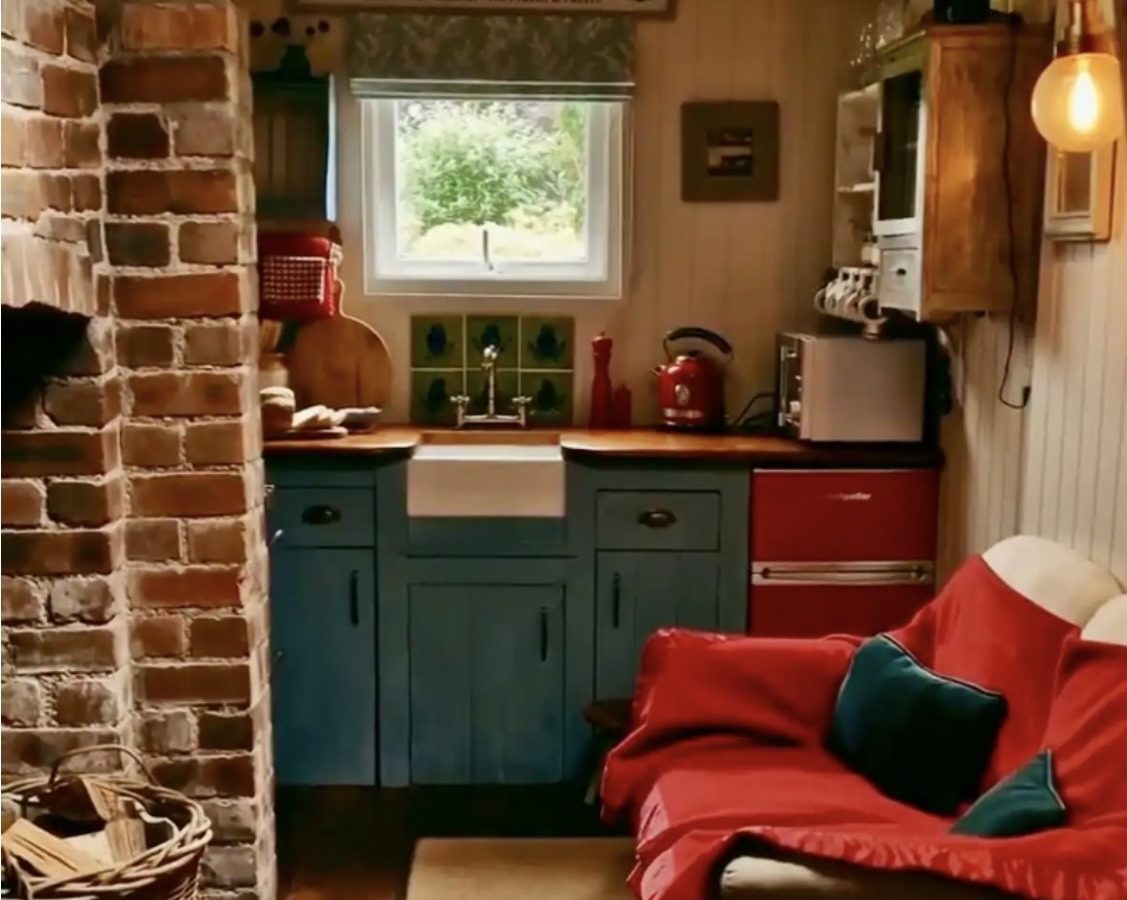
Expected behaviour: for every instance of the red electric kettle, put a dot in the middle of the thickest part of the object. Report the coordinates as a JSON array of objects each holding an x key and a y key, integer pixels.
[{"x": 690, "y": 386}]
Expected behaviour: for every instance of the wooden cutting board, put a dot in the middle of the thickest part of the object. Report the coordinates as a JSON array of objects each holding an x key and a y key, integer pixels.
[{"x": 339, "y": 362}]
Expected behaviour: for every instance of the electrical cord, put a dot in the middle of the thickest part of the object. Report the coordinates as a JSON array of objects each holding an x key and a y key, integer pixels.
[
  {"x": 761, "y": 421},
  {"x": 1011, "y": 255}
]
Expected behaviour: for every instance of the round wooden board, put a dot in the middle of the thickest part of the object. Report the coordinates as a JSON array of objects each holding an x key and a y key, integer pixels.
[{"x": 339, "y": 362}]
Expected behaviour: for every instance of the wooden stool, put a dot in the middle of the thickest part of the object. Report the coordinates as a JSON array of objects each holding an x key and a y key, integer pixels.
[{"x": 610, "y": 723}]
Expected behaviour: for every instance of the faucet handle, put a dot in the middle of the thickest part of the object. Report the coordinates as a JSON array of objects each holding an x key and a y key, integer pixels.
[
  {"x": 460, "y": 400},
  {"x": 521, "y": 402}
]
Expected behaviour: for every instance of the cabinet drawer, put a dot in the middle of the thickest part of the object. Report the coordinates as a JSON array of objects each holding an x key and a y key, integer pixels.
[
  {"x": 324, "y": 517},
  {"x": 844, "y": 515},
  {"x": 900, "y": 282},
  {"x": 657, "y": 520}
]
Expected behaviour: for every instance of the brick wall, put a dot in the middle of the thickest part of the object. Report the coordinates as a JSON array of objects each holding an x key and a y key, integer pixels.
[
  {"x": 66, "y": 681},
  {"x": 182, "y": 548}
]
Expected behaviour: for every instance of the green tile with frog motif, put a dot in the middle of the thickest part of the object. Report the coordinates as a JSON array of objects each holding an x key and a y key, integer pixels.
[
  {"x": 437, "y": 342},
  {"x": 430, "y": 396},
  {"x": 547, "y": 342},
  {"x": 552, "y": 397},
  {"x": 499, "y": 331}
]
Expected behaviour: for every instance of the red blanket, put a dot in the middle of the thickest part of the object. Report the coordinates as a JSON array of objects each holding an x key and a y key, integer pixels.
[{"x": 728, "y": 736}]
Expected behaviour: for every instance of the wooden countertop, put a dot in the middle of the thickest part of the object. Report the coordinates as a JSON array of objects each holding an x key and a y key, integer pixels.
[{"x": 647, "y": 443}]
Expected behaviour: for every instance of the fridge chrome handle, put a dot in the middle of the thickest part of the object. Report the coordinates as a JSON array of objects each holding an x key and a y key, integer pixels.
[{"x": 920, "y": 572}]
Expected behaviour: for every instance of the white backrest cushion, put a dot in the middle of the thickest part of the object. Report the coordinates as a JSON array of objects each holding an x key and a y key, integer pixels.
[
  {"x": 1054, "y": 577},
  {"x": 1109, "y": 624}
]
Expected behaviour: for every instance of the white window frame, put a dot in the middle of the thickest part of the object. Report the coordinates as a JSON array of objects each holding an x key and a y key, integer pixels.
[{"x": 598, "y": 277}]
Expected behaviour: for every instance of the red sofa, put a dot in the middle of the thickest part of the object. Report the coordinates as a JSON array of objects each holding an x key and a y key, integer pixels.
[{"x": 729, "y": 788}]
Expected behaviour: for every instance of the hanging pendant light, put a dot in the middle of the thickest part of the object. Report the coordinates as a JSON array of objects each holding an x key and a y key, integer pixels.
[{"x": 1077, "y": 102}]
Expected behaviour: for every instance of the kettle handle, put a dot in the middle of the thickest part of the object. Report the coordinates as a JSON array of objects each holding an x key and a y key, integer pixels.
[{"x": 701, "y": 334}]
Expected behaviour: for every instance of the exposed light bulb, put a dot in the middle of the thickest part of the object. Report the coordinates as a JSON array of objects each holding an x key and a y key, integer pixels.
[{"x": 1083, "y": 103}]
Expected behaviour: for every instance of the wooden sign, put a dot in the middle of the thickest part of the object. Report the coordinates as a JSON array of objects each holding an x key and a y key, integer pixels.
[{"x": 634, "y": 7}]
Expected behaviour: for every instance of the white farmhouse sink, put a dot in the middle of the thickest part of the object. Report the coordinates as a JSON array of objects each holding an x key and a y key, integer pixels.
[{"x": 478, "y": 475}]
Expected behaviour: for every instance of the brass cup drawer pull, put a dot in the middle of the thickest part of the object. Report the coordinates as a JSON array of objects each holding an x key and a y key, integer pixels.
[
  {"x": 320, "y": 514},
  {"x": 657, "y": 518}
]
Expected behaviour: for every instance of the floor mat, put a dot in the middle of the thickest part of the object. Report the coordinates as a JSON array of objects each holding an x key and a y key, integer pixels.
[{"x": 521, "y": 869}]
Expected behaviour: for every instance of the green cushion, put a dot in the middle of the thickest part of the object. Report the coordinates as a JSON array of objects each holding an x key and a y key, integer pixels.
[
  {"x": 1023, "y": 802},
  {"x": 920, "y": 737}
]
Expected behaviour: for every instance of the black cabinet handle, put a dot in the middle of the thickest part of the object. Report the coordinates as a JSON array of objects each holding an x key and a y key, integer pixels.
[
  {"x": 616, "y": 600},
  {"x": 543, "y": 634},
  {"x": 320, "y": 514},
  {"x": 657, "y": 518},
  {"x": 354, "y": 599}
]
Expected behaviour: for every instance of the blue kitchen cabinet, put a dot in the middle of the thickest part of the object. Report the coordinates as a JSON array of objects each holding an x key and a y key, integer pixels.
[
  {"x": 639, "y": 592},
  {"x": 323, "y": 638},
  {"x": 487, "y": 683}
]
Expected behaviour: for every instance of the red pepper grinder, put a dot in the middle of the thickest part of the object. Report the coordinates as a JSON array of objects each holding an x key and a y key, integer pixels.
[{"x": 602, "y": 400}]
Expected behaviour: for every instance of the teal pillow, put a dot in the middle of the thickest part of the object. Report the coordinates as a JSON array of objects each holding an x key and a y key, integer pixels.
[
  {"x": 1023, "y": 802},
  {"x": 920, "y": 737}
]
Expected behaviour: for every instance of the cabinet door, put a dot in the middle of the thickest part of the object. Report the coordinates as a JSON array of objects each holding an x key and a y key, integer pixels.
[
  {"x": 323, "y": 629},
  {"x": 639, "y": 593},
  {"x": 487, "y": 683}
]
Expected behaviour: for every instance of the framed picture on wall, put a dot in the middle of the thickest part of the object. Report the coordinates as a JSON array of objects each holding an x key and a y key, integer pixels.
[
  {"x": 1079, "y": 196},
  {"x": 633, "y": 7},
  {"x": 730, "y": 151}
]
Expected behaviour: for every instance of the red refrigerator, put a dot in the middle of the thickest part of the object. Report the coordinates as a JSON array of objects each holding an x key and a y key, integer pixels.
[{"x": 840, "y": 551}]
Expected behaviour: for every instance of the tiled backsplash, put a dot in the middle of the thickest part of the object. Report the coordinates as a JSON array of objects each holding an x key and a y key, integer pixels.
[{"x": 537, "y": 359}]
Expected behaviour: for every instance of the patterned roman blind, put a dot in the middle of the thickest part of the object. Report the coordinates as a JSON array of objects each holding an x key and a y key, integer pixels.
[{"x": 411, "y": 54}]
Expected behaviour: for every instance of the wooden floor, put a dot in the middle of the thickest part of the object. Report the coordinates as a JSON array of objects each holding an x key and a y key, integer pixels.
[{"x": 356, "y": 843}]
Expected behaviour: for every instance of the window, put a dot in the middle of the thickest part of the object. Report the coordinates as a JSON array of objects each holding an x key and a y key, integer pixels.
[{"x": 483, "y": 195}]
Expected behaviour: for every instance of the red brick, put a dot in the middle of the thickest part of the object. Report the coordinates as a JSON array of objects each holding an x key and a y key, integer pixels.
[
  {"x": 84, "y": 599},
  {"x": 69, "y": 92},
  {"x": 164, "y": 80},
  {"x": 223, "y": 541},
  {"x": 56, "y": 190},
  {"x": 42, "y": 140},
  {"x": 219, "y": 443},
  {"x": 190, "y": 587},
  {"x": 219, "y": 637},
  {"x": 208, "y": 776},
  {"x": 59, "y": 451},
  {"x": 151, "y": 446},
  {"x": 44, "y": 26},
  {"x": 186, "y": 394},
  {"x": 87, "y": 703},
  {"x": 31, "y": 752},
  {"x": 83, "y": 402},
  {"x": 137, "y": 136},
  {"x": 222, "y": 731},
  {"x": 140, "y": 346},
  {"x": 167, "y": 732},
  {"x": 211, "y": 294},
  {"x": 22, "y": 702},
  {"x": 94, "y": 355},
  {"x": 87, "y": 192},
  {"x": 147, "y": 191},
  {"x": 22, "y": 85},
  {"x": 21, "y": 503},
  {"x": 22, "y": 600},
  {"x": 197, "y": 683},
  {"x": 62, "y": 648},
  {"x": 21, "y": 194},
  {"x": 81, "y": 141},
  {"x": 86, "y": 502},
  {"x": 13, "y": 131},
  {"x": 138, "y": 243},
  {"x": 152, "y": 540},
  {"x": 233, "y": 821},
  {"x": 157, "y": 637},
  {"x": 211, "y": 243},
  {"x": 198, "y": 26},
  {"x": 221, "y": 344},
  {"x": 82, "y": 35},
  {"x": 205, "y": 131},
  {"x": 59, "y": 552},
  {"x": 190, "y": 494}
]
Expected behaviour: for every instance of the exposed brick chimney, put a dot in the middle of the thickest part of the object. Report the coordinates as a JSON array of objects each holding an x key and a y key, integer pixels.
[{"x": 135, "y": 572}]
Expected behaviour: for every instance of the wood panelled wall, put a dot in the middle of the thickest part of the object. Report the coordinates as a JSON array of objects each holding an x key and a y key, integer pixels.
[
  {"x": 1058, "y": 468},
  {"x": 747, "y": 270}
]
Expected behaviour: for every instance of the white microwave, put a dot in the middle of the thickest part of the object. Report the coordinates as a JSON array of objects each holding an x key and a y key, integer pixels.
[{"x": 850, "y": 388}]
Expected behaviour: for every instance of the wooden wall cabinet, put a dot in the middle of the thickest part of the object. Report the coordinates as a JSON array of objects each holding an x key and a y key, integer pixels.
[{"x": 959, "y": 170}]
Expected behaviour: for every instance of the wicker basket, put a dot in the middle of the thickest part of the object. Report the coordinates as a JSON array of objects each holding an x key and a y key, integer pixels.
[{"x": 167, "y": 871}]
